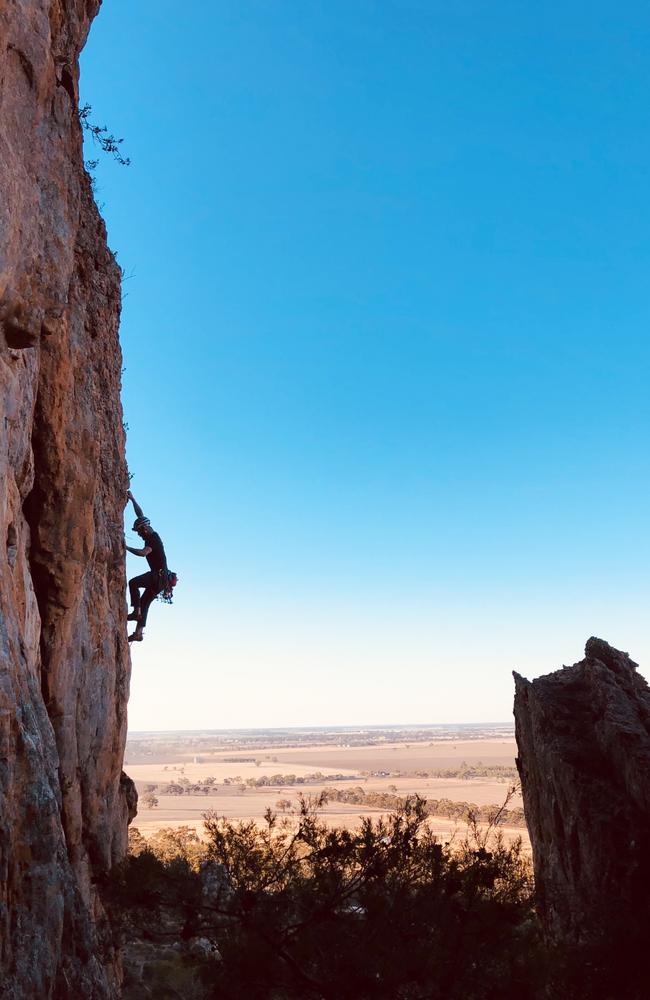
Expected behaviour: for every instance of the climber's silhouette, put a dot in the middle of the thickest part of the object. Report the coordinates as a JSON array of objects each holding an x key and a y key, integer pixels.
[{"x": 157, "y": 581}]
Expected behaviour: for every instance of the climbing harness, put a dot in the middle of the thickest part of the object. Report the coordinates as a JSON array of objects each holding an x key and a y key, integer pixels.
[{"x": 168, "y": 581}]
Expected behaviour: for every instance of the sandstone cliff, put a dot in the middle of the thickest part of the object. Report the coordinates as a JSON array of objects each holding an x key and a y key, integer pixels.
[
  {"x": 583, "y": 735},
  {"x": 64, "y": 660}
]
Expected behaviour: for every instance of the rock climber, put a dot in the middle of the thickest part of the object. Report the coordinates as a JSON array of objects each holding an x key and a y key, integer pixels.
[{"x": 157, "y": 581}]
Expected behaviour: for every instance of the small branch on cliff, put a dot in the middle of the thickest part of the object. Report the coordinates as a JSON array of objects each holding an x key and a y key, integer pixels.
[
  {"x": 482, "y": 836},
  {"x": 107, "y": 141}
]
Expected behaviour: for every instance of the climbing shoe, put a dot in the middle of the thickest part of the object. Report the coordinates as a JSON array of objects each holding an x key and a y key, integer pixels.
[
  {"x": 136, "y": 637},
  {"x": 135, "y": 615}
]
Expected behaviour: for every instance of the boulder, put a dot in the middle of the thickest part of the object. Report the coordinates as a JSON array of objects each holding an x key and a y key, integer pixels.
[{"x": 583, "y": 736}]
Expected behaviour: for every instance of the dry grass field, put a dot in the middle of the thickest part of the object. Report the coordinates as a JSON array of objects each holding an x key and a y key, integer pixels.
[{"x": 383, "y": 767}]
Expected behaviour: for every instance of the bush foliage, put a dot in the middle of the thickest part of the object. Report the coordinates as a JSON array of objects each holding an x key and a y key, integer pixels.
[{"x": 297, "y": 909}]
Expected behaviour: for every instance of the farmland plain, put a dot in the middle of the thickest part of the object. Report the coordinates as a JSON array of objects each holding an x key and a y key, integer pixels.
[{"x": 241, "y": 774}]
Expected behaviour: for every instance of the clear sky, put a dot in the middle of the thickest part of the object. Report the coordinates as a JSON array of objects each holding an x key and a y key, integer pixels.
[{"x": 385, "y": 332}]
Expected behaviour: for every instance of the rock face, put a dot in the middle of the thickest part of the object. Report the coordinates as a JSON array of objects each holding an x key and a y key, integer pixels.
[
  {"x": 64, "y": 660},
  {"x": 583, "y": 734}
]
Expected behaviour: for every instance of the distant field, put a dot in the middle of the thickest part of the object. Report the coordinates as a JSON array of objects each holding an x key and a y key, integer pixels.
[
  {"x": 400, "y": 757},
  {"x": 396, "y": 763}
]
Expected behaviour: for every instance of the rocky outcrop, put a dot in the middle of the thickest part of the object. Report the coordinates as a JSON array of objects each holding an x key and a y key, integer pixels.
[
  {"x": 64, "y": 661},
  {"x": 583, "y": 735}
]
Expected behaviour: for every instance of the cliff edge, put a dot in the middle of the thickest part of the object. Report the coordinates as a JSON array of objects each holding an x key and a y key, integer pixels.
[
  {"x": 64, "y": 659},
  {"x": 583, "y": 735}
]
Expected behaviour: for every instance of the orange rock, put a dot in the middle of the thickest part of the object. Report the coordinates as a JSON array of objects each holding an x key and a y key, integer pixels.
[{"x": 64, "y": 658}]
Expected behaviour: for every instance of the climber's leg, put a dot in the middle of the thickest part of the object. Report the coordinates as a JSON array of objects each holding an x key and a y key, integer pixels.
[
  {"x": 137, "y": 584},
  {"x": 149, "y": 595},
  {"x": 147, "y": 582}
]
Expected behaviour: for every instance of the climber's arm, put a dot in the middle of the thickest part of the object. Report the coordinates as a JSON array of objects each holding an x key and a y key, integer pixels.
[
  {"x": 139, "y": 552},
  {"x": 136, "y": 506}
]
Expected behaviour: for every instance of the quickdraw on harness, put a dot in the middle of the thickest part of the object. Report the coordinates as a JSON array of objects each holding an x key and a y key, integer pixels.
[{"x": 168, "y": 580}]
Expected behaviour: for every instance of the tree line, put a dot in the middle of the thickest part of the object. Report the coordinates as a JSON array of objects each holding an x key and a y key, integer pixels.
[
  {"x": 387, "y": 800},
  {"x": 461, "y": 811},
  {"x": 465, "y": 771}
]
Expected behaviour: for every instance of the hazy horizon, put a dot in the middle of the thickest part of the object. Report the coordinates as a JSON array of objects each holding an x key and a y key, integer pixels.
[{"x": 387, "y": 726}]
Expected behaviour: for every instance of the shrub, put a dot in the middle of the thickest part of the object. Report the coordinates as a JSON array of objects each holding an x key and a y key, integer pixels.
[{"x": 300, "y": 911}]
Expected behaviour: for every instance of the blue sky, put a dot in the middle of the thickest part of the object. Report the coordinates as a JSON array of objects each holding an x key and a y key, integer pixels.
[{"x": 385, "y": 336}]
